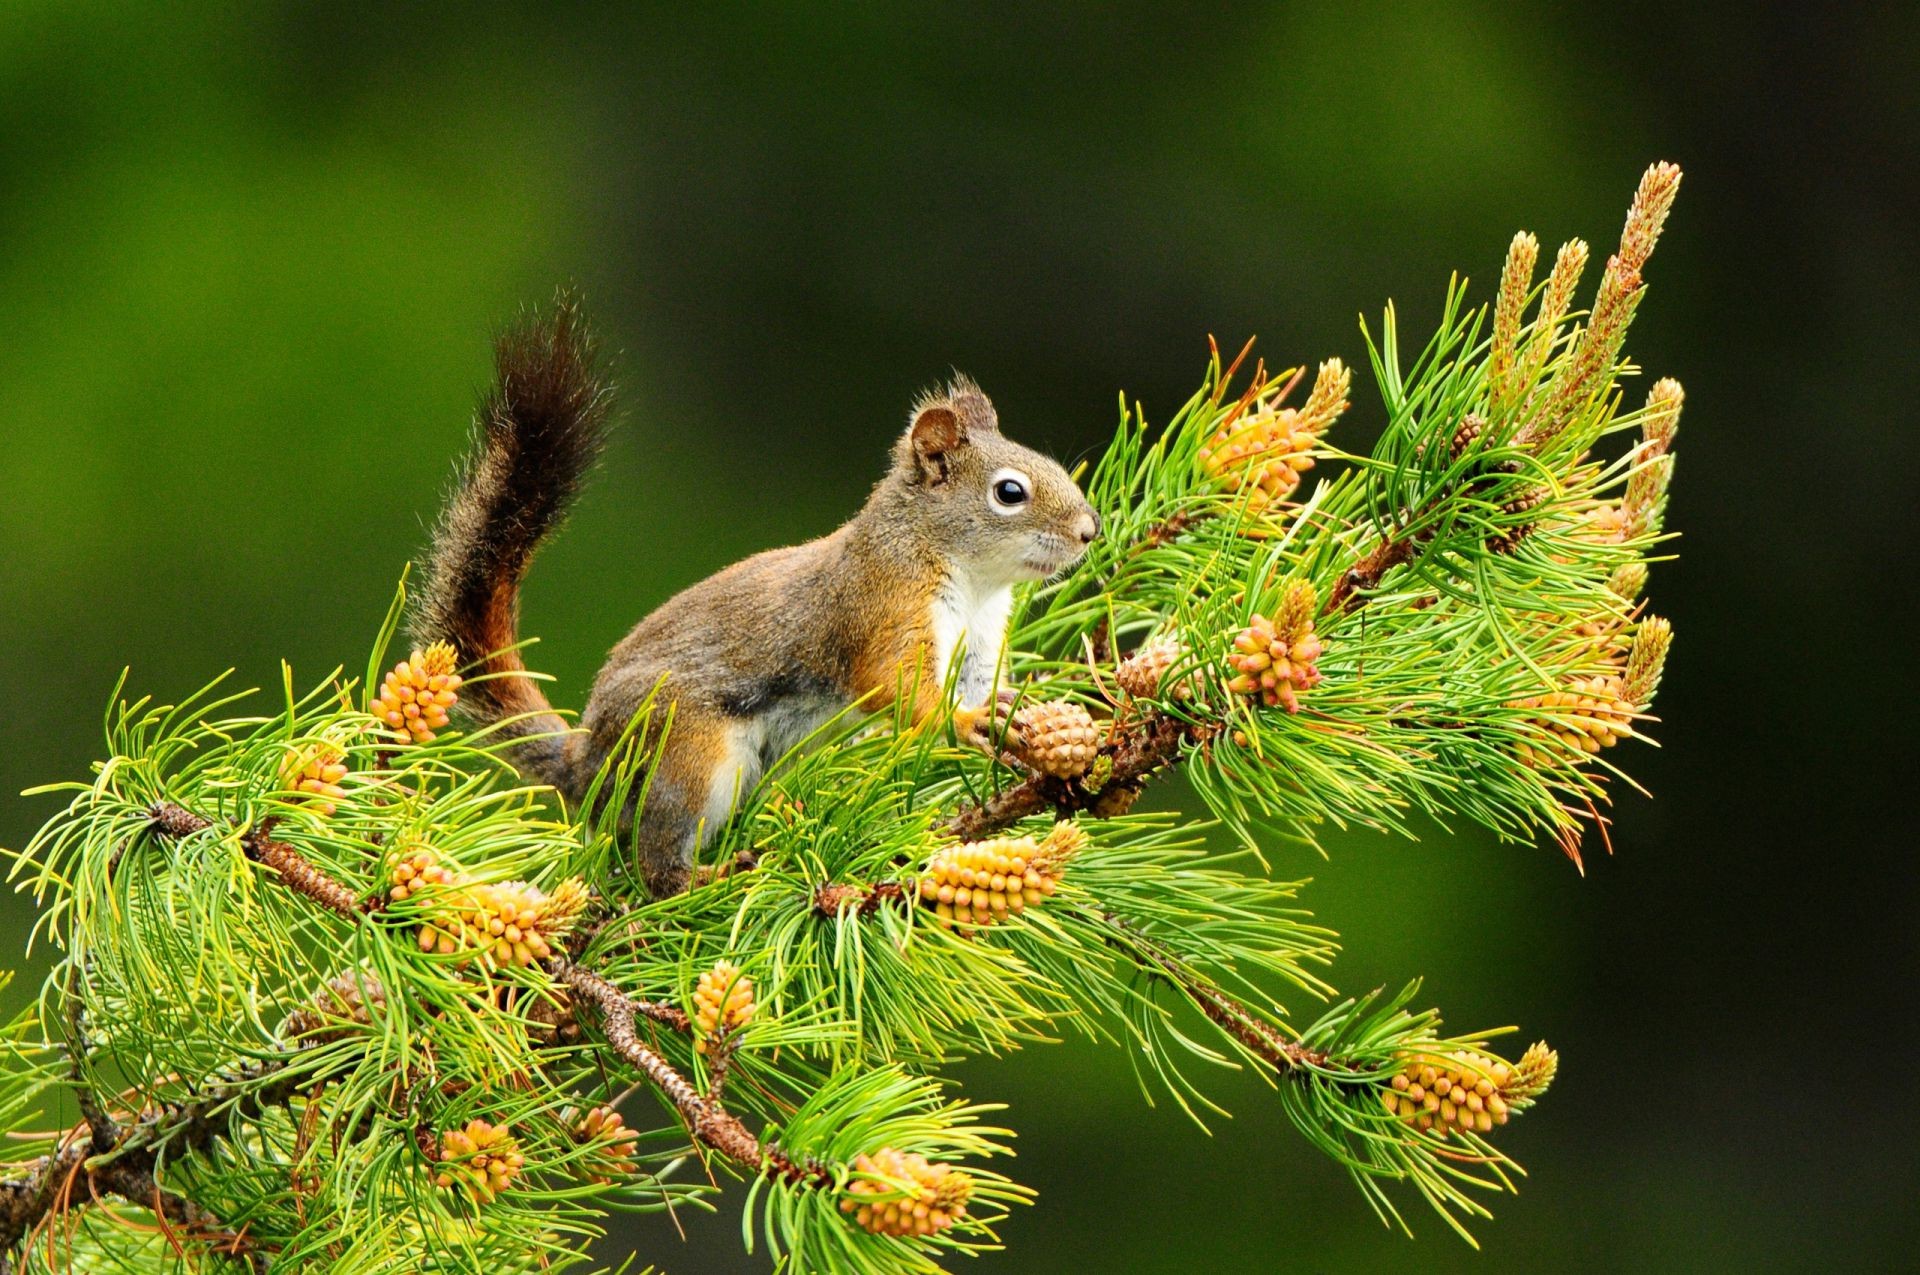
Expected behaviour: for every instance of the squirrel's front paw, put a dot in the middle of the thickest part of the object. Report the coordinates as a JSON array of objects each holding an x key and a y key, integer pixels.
[{"x": 983, "y": 726}]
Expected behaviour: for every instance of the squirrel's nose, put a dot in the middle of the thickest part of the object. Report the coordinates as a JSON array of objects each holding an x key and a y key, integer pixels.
[{"x": 1089, "y": 527}]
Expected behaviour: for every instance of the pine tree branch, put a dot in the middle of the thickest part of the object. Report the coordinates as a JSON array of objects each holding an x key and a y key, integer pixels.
[
  {"x": 1137, "y": 751},
  {"x": 125, "y": 1167},
  {"x": 173, "y": 820},
  {"x": 709, "y": 1123},
  {"x": 1225, "y": 1011}
]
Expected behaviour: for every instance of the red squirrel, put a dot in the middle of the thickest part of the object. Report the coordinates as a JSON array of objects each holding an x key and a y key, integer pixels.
[{"x": 754, "y": 659}]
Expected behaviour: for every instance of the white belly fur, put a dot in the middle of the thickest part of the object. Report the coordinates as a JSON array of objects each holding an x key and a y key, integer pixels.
[{"x": 970, "y": 622}]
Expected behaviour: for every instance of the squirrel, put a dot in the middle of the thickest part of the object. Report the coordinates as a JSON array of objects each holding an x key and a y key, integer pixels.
[{"x": 754, "y": 659}]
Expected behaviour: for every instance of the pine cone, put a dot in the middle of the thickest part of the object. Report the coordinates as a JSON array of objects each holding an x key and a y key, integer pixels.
[
  {"x": 980, "y": 882},
  {"x": 609, "y": 1143},
  {"x": 344, "y": 1002},
  {"x": 1468, "y": 1091},
  {"x": 483, "y": 1159},
  {"x": 1141, "y": 673},
  {"x": 906, "y": 1194},
  {"x": 316, "y": 772},
  {"x": 1058, "y": 736},
  {"x": 1466, "y": 434},
  {"x": 722, "y": 1003},
  {"x": 1278, "y": 658},
  {"x": 416, "y": 695},
  {"x": 1520, "y": 506},
  {"x": 550, "y": 1018}
]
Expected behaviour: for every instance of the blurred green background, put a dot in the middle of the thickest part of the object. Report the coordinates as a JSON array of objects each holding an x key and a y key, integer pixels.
[{"x": 250, "y": 254}]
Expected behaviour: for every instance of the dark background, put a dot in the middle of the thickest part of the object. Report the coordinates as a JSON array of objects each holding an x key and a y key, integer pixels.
[{"x": 249, "y": 256}]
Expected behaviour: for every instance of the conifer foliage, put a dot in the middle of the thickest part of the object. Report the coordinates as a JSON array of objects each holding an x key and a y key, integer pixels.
[{"x": 334, "y": 987}]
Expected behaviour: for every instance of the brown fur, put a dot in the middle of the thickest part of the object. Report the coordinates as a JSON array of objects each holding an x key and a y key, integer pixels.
[
  {"x": 753, "y": 658},
  {"x": 538, "y": 433}
]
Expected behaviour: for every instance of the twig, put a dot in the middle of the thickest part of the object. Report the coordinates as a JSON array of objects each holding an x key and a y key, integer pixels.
[
  {"x": 126, "y": 1167},
  {"x": 1237, "y": 1020},
  {"x": 295, "y": 872},
  {"x": 709, "y": 1123},
  {"x": 1137, "y": 751},
  {"x": 864, "y": 900}
]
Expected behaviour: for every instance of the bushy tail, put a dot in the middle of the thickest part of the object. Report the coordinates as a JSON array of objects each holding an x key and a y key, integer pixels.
[{"x": 539, "y": 431}]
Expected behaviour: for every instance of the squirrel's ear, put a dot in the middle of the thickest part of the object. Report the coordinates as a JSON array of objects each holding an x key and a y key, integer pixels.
[{"x": 936, "y": 433}]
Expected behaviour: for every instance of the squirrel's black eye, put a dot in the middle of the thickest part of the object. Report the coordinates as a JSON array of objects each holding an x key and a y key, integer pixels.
[{"x": 1007, "y": 491}]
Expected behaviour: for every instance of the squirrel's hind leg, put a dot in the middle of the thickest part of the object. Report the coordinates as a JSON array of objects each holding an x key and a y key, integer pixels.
[{"x": 707, "y": 764}]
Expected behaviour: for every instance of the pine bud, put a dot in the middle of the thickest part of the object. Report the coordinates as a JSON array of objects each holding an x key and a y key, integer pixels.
[
  {"x": 1263, "y": 452},
  {"x": 903, "y": 1194},
  {"x": 609, "y": 1145},
  {"x": 344, "y": 1002},
  {"x": 1628, "y": 581},
  {"x": 1516, "y": 281},
  {"x": 722, "y": 1003},
  {"x": 1647, "y": 659},
  {"x": 415, "y": 696},
  {"x": 1648, "y": 213},
  {"x": 1465, "y": 1090},
  {"x": 315, "y": 772},
  {"x": 1568, "y": 265},
  {"x": 1113, "y": 801},
  {"x": 979, "y": 883},
  {"x": 1058, "y": 736},
  {"x": 482, "y": 1159},
  {"x": 1141, "y": 673},
  {"x": 1275, "y": 659}
]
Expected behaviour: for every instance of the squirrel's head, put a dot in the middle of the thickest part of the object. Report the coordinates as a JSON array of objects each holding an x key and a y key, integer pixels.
[{"x": 1002, "y": 511}]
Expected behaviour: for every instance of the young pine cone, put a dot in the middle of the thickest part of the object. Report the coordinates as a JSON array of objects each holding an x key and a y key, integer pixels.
[
  {"x": 482, "y": 1159},
  {"x": 980, "y": 882},
  {"x": 550, "y": 1018},
  {"x": 1591, "y": 713},
  {"x": 1263, "y": 453},
  {"x": 414, "y": 699},
  {"x": 609, "y": 1146},
  {"x": 1058, "y": 737},
  {"x": 1468, "y": 1091},
  {"x": 918, "y": 1197},
  {"x": 316, "y": 773},
  {"x": 514, "y": 924},
  {"x": 722, "y": 1003},
  {"x": 1275, "y": 659},
  {"x": 344, "y": 1002},
  {"x": 1521, "y": 506},
  {"x": 1141, "y": 673}
]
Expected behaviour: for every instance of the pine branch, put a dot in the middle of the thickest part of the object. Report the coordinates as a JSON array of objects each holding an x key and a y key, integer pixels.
[
  {"x": 709, "y": 1123},
  {"x": 125, "y": 1166},
  {"x": 1136, "y": 752},
  {"x": 1226, "y": 1012}
]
